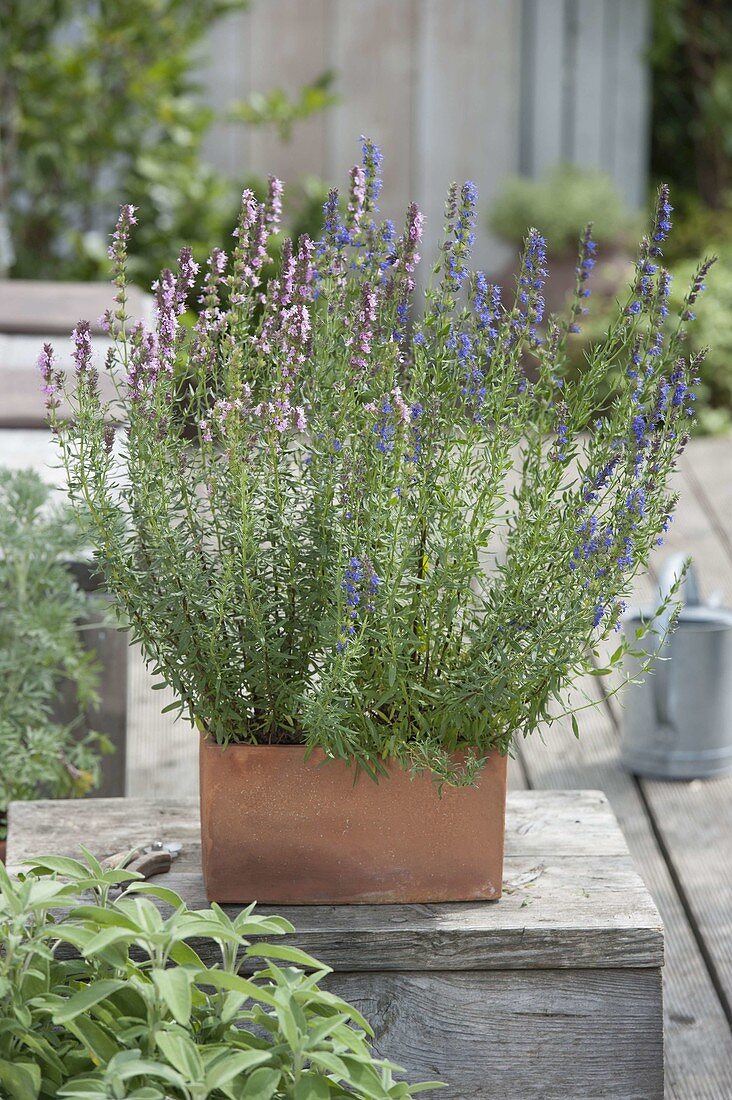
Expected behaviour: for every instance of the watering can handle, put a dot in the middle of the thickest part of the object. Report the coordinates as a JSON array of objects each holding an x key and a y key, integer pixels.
[{"x": 672, "y": 569}]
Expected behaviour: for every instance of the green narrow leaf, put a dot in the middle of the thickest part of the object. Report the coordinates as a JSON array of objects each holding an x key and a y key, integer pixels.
[
  {"x": 61, "y": 865},
  {"x": 288, "y": 954},
  {"x": 161, "y": 892},
  {"x": 21, "y": 1079},
  {"x": 312, "y": 1087},
  {"x": 95, "y": 1038},
  {"x": 262, "y": 1085},
  {"x": 108, "y": 937},
  {"x": 174, "y": 986},
  {"x": 182, "y": 1054},
  {"x": 85, "y": 999},
  {"x": 222, "y": 979},
  {"x": 229, "y": 1067}
]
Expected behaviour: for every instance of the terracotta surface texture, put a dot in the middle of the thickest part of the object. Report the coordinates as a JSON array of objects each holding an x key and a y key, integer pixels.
[{"x": 277, "y": 828}]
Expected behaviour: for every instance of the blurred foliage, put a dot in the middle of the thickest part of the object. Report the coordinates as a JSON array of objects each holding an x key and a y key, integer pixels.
[
  {"x": 691, "y": 148},
  {"x": 100, "y": 103},
  {"x": 712, "y": 330},
  {"x": 691, "y": 60},
  {"x": 698, "y": 228},
  {"x": 278, "y": 109},
  {"x": 559, "y": 206},
  {"x": 41, "y": 648}
]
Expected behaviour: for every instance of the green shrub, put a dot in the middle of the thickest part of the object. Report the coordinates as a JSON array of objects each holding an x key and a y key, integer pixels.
[
  {"x": 699, "y": 228},
  {"x": 102, "y": 104},
  {"x": 691, "y": 124},
  {"x": 40, "y": 647},
  {"x": 136, "y": 1013},
  {"x": 559, "y": 206}
]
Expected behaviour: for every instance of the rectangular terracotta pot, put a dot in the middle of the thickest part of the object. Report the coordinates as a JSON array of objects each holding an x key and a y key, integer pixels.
[{"x": 277, "y": 828}]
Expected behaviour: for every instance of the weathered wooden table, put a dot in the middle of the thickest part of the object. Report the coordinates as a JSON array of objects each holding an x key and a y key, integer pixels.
[{"x": 555, "y": 991}]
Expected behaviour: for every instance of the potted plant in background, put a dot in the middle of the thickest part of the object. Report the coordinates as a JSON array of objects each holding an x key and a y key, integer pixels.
[
  {"x": 569, "y": 197},
  {"x": 41, "y": 651},
  {"x": 389, "y": 552}
]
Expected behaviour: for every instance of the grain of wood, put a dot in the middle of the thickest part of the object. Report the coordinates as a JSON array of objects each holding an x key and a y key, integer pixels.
[
  {"x": 586, "y": 106},
  {"x": 162, "y": 749},
  {"x": 698, "y": 1039},
  {"x": 31, "y": 306},
  {"x": 374, "y": 43},
  {"x": 630, "y": 160},
  {"x": 281, "y": 59},
  {"x": 575, "y": 1035},
  {"x": 22, "y": 407},
  {"x": 543, "y": 62},
  {"x": 456, "y": 85},
  {"x": 707, "y": 470},
  {"x": 226, "y": 75}
]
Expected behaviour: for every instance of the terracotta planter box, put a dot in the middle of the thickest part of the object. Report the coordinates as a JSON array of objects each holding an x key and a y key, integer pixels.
[{"x": 276, "y": 828}]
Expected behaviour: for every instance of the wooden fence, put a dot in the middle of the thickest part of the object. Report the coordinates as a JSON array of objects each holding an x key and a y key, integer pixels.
[{"x": 450, "y": 89}]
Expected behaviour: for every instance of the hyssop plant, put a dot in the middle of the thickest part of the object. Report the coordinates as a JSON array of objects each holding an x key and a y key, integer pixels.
[{"x": 388, "y": 538}]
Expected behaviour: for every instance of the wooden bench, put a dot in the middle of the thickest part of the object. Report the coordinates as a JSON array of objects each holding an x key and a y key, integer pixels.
[
  {"x": 35, "y": 312},
  {"x": 555, "y": 991}
]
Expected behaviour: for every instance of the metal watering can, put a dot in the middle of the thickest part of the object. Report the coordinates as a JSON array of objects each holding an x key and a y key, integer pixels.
[{"x": 677, "y": 724}]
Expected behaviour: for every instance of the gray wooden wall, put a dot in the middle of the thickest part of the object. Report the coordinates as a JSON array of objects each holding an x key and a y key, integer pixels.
[{"x": 450, "y": 89}]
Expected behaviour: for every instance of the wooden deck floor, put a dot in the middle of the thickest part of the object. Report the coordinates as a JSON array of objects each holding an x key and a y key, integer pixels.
[{"x": 679, "y": 833}]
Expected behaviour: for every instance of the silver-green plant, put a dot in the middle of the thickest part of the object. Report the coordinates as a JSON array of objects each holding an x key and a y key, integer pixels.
[
  {"x": 41, "y": 648},
  {"x": 387, "y": 538},
  {"x": 103, "y": 996}
]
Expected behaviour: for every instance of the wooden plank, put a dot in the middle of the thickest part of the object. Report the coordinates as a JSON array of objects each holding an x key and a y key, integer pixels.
[
  {"x": 109, "y": 648},
  {"x": 519, "y": 1034},
  {"x": 698, "y": 1039},
  {"x": 468, "y": 66},
  {"x": 374, "y": 46},
  {"x": 22, "y": 404},
  {"x": 571, "y": 896},
  {"x": 565, "y": 823},
  {"x": 611, "y": 136},
  {"x": 225, "y": 74},
  {"x": 543, "y": 63},
  {"x": 694, "y": 820},
  {"x": 281, "y": 58},
  {"x": 53, "y": 308},
  {"x": 631, "y": 159},
  {"x": 708, "y": 471},
  {"x": 516, "y": 774},
  {"x": 162, "y": 749},
  {"x": 585, "y": 108}
]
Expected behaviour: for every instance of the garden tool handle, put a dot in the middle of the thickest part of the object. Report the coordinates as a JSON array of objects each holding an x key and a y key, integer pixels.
[{"x": 664, "y": 679}]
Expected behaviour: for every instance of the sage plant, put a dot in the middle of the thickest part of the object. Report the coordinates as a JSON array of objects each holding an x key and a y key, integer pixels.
[{"x": 378, "y": 521}]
